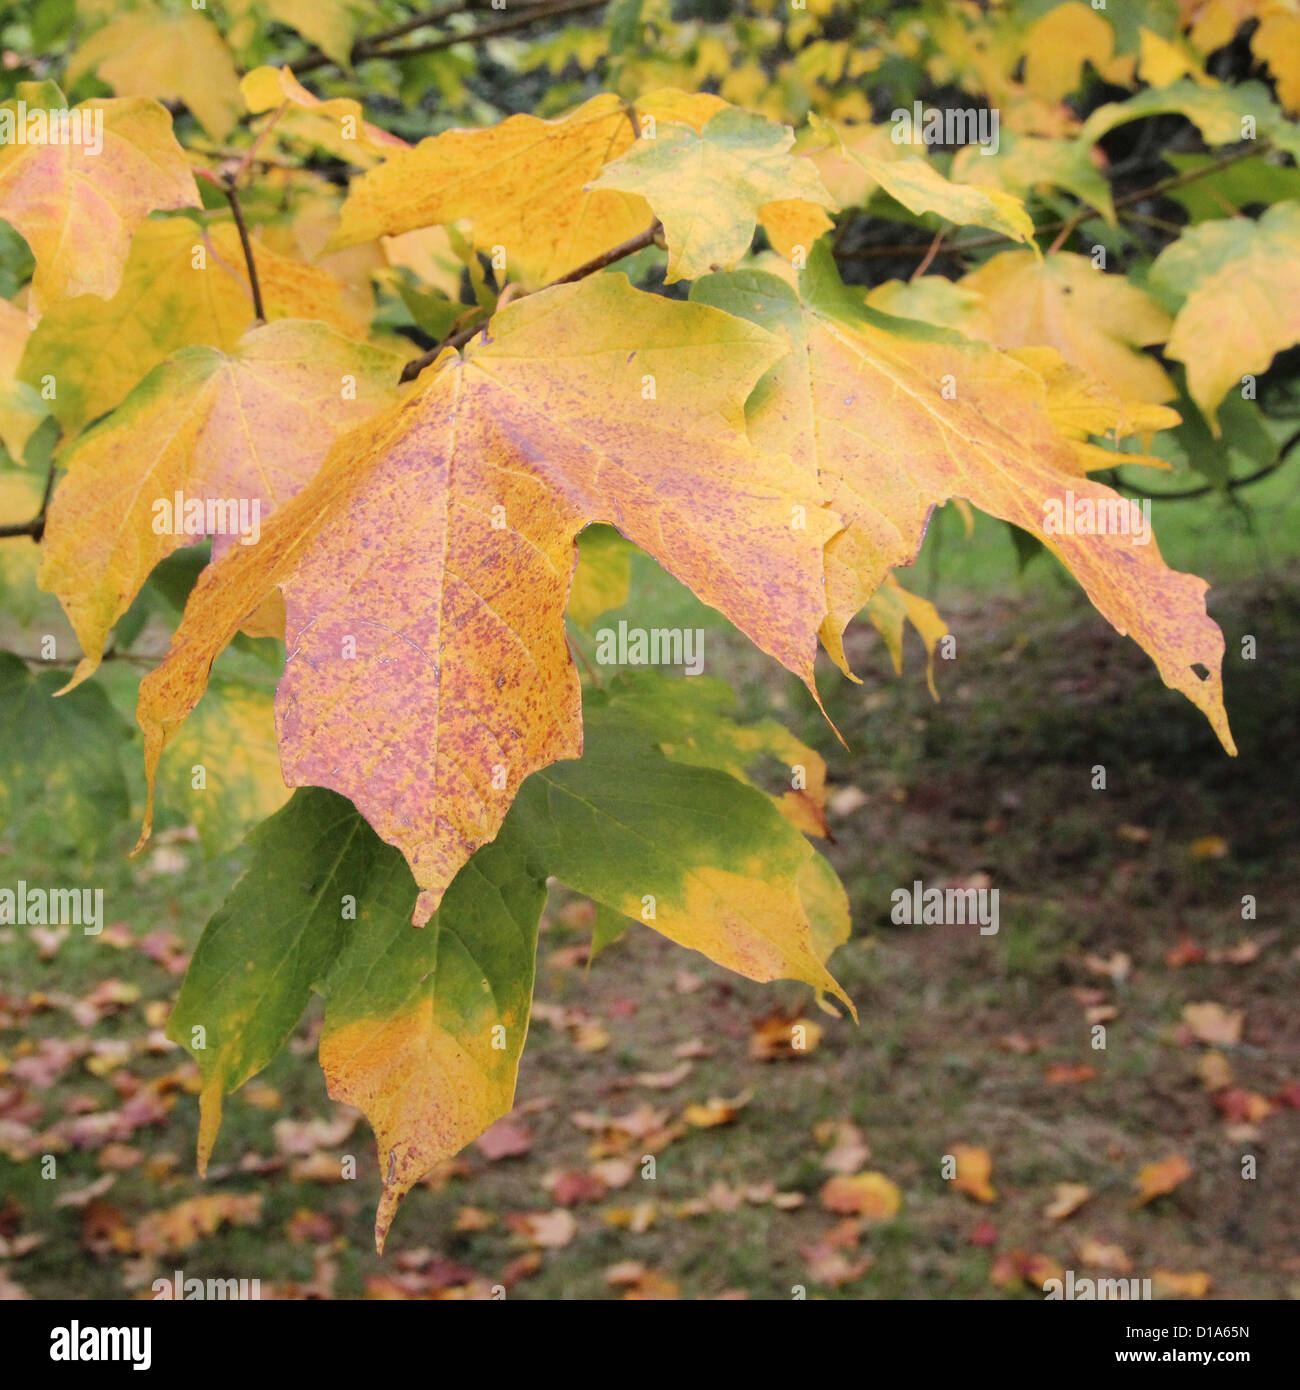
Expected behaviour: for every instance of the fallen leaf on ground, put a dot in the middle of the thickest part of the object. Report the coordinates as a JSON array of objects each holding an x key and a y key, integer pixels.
[
  {"x": 548, "y": 1229},
  {"x": 1157, "y": 1179},
  {"x": 1098, "y": 1255},
  {"x": 507, "y": 1138},
  {"x": 848, "y": 1150},
  {"x": 1168, "y": 1284},
  {"x": 1238, "y": 1106},
  {"x": 1215, "y": 1071},
  {"x": 1070, "y": 1196},
  {"x": 869, "y": 1195},
  {"x": 1117, "y": 968},
  {"x": 1069, "y": 1073},
  {"x": 778, "y": 1037},
  {"x": 974, "y": 1171},
  {"x": 716, "y": 1111},
  {"x": 1186, "y": 952},
  {"x": 664, "y": 1080},
  {"x": 1012, "y": 1268},
  {"x": 1212, "y": 1023}
]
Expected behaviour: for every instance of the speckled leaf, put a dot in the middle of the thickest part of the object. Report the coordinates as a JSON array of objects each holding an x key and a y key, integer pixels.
[
  {"x": 1094, "y": 320},
  {"x": 426, "y": 569},
  {"x": 521, "y": 183},
  {"x": 249, "y": 427},
  {"x": 183, "y": 285},
  {"x": 896, "y": 425},
  {"x": 76, "y": 208}
]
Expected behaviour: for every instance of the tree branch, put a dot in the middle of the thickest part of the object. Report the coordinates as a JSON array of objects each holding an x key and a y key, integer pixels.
[
  {"x": 1067, "y": 224},
  {"x": 616, "y": 253},
  {"x": 373, "y": 46},
  {"x": 1232, "y": 485}
]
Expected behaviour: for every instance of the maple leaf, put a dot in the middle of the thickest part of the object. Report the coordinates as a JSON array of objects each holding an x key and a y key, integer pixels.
[
  {"x": 1026, "y": 163},
  {"x": 1241, "y": 283},
  {"x": 77, "y": 211},
  {"x": 427, "y": 672},
  {"x": 172, "y": 57},
  {"x": 1276, "y": 43},
  {"x": 691, "y": 722},
  {"x": 183, "y": 285},
  {"x": 241, "y": 787},
  {"x": 1219, "y": 113},
  {"x": 521, "y": 183},
  {"x": 410, "y": 1016},
  {"x": 890, "y": 608},
  {"x": 252, "y": 425},
  {"x": 919, "y": 186},
  {"x": 708, "y": 186},
  {"x": 1159, "y": 1178},
  {"x": 1161, "y": 62},
  {"x": 974, "y": 1173},
  {"x": 526, "y": 184},
  {"x": 897, "y": 425},
  {"x": 871, "y": 1196},
  {"x": 1094, "y": 320},
  {"x": 690, "y": 852},
  {"x": 332, "y": 25},
  {"x": 336, "y": 125},
  {"x": 424, "y": 1030},
  {"x": 1060, "y": 43},
  {"x": 61, "y": 773}
]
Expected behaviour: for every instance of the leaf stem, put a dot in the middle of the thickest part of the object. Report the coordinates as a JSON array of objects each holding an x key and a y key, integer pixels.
[
  {"x": 35, "y": 528},
  {"x": 616, "y": 253}
]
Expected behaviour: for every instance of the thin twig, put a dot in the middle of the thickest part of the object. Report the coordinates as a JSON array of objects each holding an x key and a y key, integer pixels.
[
  {"x": 931, "y": 253},
  {"x": 627, "y": 248},
  {"x": 1143, "y": 219},
  {"x": 1230, "y": 486},
  {"x": 232, "y": 196},
  {"x": 257, "y": 140},
  {"x": 434, "y": 16},
  {"x": 112, "y": 654}
]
